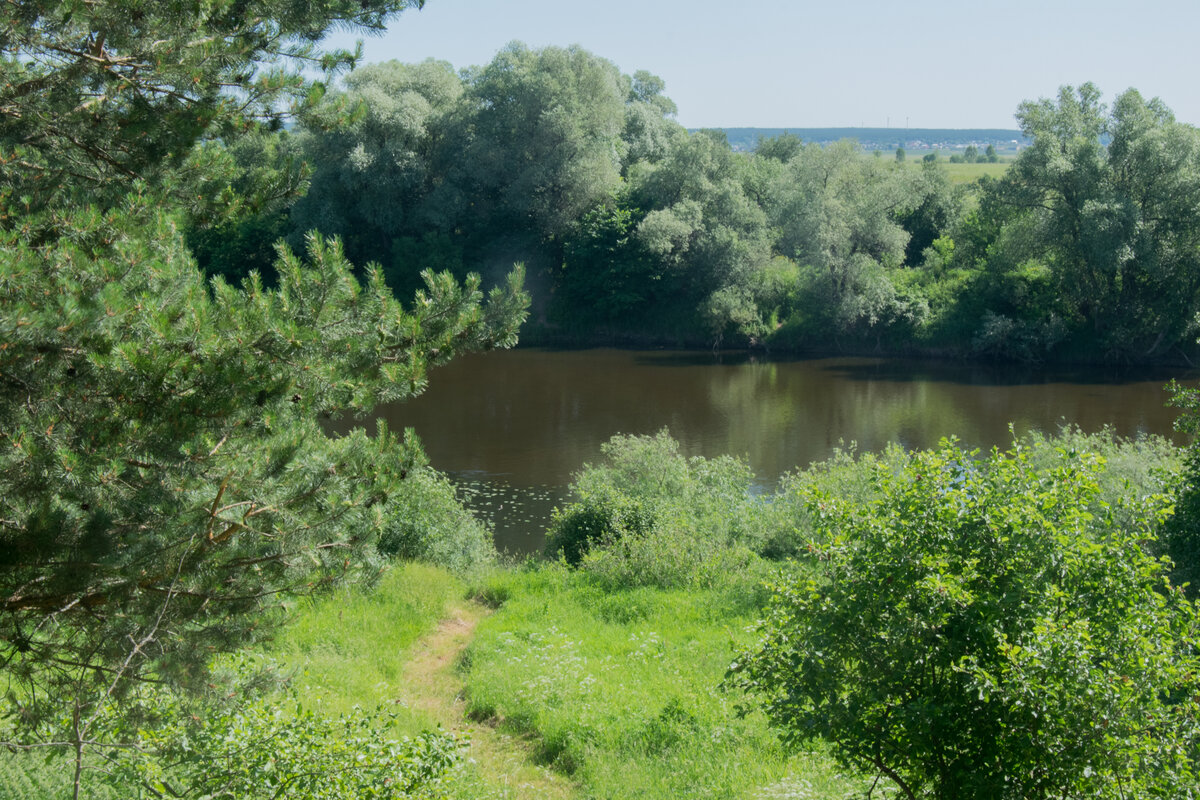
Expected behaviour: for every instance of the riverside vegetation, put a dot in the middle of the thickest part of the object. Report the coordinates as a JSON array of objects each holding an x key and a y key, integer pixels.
[
  {"x": 207, "y": 596},
  {"x": 610, "y": 665},
  {"x": 633, "y": 230}
]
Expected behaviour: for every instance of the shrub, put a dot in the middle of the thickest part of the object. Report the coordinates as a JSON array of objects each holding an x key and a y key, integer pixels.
[
  {"x": 271, "y": 746},
  {"x": 1135, "y": 467},
  {"x": 788, "y": 528},
  {"x": 977, "y": 632},
  {"x": 426, "y": 522},
  {"x": 648, "y": 515},
  {"x": 671, "y": 557},
  {"x": 1181, "y": 535},
  {"x": 605, "y": 515}
]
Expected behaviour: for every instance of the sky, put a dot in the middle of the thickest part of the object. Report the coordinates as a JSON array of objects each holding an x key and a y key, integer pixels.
[{"x": 838, "y": 63}]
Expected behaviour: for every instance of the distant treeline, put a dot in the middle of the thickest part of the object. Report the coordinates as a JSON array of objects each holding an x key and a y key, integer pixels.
[
  {"x": 882, "y": 138},
  {"x": 637, "y": 231}
]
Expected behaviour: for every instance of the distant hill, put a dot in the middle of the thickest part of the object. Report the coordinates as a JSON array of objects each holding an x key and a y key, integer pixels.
[{"x": 916, "y": 139}]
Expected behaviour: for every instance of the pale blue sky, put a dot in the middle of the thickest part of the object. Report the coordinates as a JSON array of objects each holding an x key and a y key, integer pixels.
[{"x": 774, "y": 63}]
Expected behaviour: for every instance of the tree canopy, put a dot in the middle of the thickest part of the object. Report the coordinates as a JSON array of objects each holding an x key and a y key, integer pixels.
[
  {"x": 635, "y": 227},
  {"x": 1113, "y": 227},
  {"x": 93, "y": 95}
]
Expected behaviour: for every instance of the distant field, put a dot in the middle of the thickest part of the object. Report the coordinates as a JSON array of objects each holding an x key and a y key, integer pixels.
[{"x": 967, "y": 173}]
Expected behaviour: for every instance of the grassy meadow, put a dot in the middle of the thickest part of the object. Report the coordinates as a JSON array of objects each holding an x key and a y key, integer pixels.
[
  {"x": 621, "y": 690},
  {"x": 969, "y": 173},
  {"x": 566, "y": 688},
  {"x": 960, "y": 173}
]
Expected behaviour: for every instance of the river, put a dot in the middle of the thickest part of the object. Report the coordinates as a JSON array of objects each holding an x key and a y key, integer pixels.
[{"x": 511, "y": 427}]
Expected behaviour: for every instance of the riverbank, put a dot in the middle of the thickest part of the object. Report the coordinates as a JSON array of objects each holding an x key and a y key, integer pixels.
[
  {"x": 608, "y": 679},
  {"x": 784, "y": 345}
]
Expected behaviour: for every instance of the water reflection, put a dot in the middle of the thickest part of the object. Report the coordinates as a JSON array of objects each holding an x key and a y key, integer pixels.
[{"x": 511, "y": 427}]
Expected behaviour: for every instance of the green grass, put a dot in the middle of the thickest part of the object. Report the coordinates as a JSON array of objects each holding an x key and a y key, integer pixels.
[
  {"x": 968, "y": 173},
  {"x": 349, "y": 648},
  {"x": 28, "y": 776},
  {"x": 960, "y": 173},
  {"x": 621, "y": 689},
  {"x": 358, "y": 647}
]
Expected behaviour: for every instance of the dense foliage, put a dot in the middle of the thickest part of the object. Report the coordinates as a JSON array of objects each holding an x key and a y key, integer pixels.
[
  {"x": 242, "y": 745},
  {"x": 166, "y": 479},
  {"x": 166, "y": 474},
  {"x": 975, "y": 629},
  {"x": 647, "y": 515},
  {"x": 93, "y": 95},
  {"x": 1091, "y": 242},
  {"x": 636, "y": 230}
]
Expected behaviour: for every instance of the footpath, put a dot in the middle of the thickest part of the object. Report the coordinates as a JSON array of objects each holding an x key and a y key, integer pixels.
[{"x": 432, "y": 684}]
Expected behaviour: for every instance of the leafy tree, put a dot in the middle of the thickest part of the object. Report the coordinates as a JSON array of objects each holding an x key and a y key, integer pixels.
[
  {"x": 782, "y": 148},
  {"x": 607, "y": 277},
  {"x": 991, "y": 155},
  {"x": 900, "y": 154},
  {"x": 541, "y": 139},
  {"x": 836, "y": 215},
  {"x": 372, "y": 172},
  {"x": 649, "y": 133},
  {"x": 702, "y": 226},
  {"x": 976, "y": 632},
  {"x": 930, "y": 209},
  {"x": 1113, "y": 226}
]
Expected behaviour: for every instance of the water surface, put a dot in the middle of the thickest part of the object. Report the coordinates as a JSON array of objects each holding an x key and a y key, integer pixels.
[{"x": 511, "y": 427}]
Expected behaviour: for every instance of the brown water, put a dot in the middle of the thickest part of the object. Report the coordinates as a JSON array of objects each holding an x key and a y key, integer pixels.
[{"x": 511, "y": 427}]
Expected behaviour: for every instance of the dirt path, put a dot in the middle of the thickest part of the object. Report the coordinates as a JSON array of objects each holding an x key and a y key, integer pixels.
[{"x": 434, "y": 687}]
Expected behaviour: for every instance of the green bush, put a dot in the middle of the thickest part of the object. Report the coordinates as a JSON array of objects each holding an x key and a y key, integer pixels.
[
  {"x": 604, "y": 515},
  {"x": 228, "y": 747},
  {"x": 426, "y": 522},
  {"x": 986, "y": 628},
  {"x": 1181, "y": 535},
  {"x": 1135, "y": 467},
  {"x": 788, "y": 527},
  {"x": 647, "y": 515},
  {"x": 672, "y": 556}
]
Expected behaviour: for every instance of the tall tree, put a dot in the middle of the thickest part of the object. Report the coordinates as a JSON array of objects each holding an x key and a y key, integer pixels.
[
  {"x": 93, "y": 95},
  {"x": 702, "y": 224},
  {"x": 650, "y": 132},
  {"x": 836, "y": 215},
  {"x": 1113, "y": 226},
  {"x": 541, "y": 140},
  {"x": 164, "y": 479},
  {"x": 371, "y": 173}
]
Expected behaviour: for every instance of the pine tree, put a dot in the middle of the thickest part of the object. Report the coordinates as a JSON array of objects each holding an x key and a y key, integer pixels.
[{"x": 165, "y": 479}]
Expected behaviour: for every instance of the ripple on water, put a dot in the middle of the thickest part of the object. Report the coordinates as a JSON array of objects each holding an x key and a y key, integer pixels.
[{"x": 518, "y": 515}]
